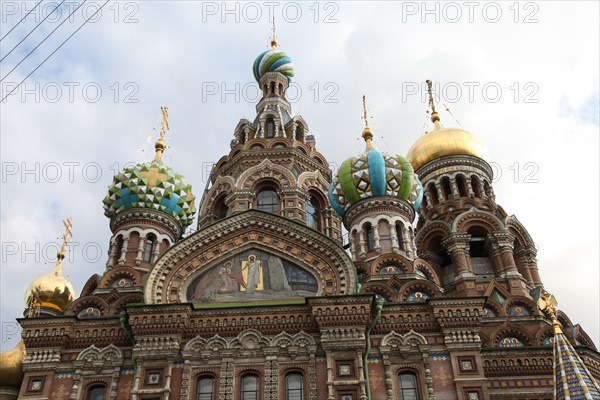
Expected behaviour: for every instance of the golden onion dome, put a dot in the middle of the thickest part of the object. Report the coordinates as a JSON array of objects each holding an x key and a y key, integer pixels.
[
  {"x": 11, "y": 366},
  {"x": 441, "y": 142},
  {"x": 53, "y": 291}
]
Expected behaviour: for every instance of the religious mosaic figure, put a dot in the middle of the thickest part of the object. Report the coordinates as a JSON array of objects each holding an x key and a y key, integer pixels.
[
  {"x": 228, "y": 284},
  {"x": 253, "y": 282}
]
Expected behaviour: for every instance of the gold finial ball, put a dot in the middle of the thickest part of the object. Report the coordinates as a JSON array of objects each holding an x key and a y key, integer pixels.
[
  {"x": 160, "y": 145},
  {"x": 52, "y": 291},
  {"x": 435, "y": 117},
  {"x": 11, "y": 366}
]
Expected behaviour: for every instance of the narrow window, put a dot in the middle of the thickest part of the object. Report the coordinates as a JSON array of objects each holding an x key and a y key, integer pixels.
[
  {"x": 206, "y": 388},
  {"x": 148, "y": 249},
  {"x": 399, "y": 235},
  {"x": 294, "y": 386},
  {"x": 408, "y": 386},
  {"x": 249, "y": 388},
  {"x": 313, "y": 219},
  {"x": 370, "y": 238},
  {"x": 270, "y": 128}
]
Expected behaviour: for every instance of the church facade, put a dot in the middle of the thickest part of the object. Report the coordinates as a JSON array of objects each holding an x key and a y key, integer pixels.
[{"x": 269, "y": 299}]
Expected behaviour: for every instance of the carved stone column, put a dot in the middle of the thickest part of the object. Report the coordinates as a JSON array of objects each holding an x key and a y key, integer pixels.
[
  {"x": 123, "y": 251},
  {"x": 458, "y": 245},
  {"x": 312, "y": 377},
  {"x": 185, "y": 381},
  {"x": 141, "y": 246},
  {"x": 394, "y": 238},
  {"x": 271, "y": 379},
  {"x": 226, "y": 381},
  {"x": 376, "y": 244}
]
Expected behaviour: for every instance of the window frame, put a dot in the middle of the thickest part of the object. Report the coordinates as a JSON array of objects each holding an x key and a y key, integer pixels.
[
  {"x": 197, "y": 391},
  {"x": 243, "y": 392},
  {"x": 415, "y": 389},
  {"x": 274, "y": 206},
  {"x": 301, "y": 389},
  {"x": 94, "y": 386}
]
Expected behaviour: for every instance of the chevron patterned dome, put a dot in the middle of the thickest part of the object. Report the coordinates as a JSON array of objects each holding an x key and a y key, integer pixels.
[
  {"x": 374, "y": 173},
  {"x": 152, "y": 185}
]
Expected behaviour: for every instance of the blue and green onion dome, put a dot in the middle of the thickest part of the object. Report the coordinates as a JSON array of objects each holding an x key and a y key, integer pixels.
[
  {"x": 273, "y": 60},
  {"x": 152, "y": 185},
  {"x": 374, "y": 174}
]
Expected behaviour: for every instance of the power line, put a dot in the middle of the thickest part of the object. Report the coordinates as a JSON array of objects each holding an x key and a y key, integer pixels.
[
  {"x": 35, "y": 48},
  {"x": 51, "y": 54},
  {"x": 30, "y": 32},
  {"x": 22, "y": 19}
]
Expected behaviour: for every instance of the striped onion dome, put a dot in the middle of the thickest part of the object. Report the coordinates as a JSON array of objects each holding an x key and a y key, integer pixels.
[
  {"x": 374, "y": 173},
  {"x": 273, "y": 60}
]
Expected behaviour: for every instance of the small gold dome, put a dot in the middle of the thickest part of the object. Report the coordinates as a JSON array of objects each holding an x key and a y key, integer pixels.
[
  {"x": 52, "y": 291},
  {"x": 11, "y": 366},
  {"x": 442, "y": 142}
]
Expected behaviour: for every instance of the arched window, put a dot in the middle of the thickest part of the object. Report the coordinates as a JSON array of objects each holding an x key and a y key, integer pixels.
[
  {"x": 475, "y": 184},
  {"x": 369, "y": 237},
  {"x": 313, "y": 216},
  {"x": 408, "y": 386},
  {"x": 462, "y": 185},
  {"x": 206, "y": 388},
  {"x": 270, "y": 128},
  {"x": 267, "y": 201},
  {"x": 119, "y": 246},
  {"x": 220, "y": 208},
  {"x": 446, "y": 187},
  {"x": 272, "y": 87},
  {"x": 433, "y": 194},
  {"x": 399, "y": 235},
  {"x": 294, "y": 386},
  {"x": 148, "y": 248},
  {"x": 249, "y": 387},
  {"x": 96, "y": 392}
]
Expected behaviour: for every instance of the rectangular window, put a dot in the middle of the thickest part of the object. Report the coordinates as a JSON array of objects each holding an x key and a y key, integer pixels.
[
  {"x": 345, "y": 368},
  {"x": 36, "y": 384}
]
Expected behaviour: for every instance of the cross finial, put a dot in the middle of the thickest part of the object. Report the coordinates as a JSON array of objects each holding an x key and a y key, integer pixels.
[
  {"x": 274, "y": 38},
  {"x": 160, "y": 144},
  {"x": 547, "y": 303},
  {"x": 68, "y": 223},
  {"x": 367, "y": 134},
  {"x": 435, "y": 118},
  {"x": 365, "y": 111}
]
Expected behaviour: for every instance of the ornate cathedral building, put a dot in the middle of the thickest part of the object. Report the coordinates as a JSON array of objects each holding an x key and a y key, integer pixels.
[{"x": 393, "y": 278}]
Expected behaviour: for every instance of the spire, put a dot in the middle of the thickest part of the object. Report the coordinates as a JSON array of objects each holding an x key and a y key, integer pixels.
[
  {"x": 274, "y": 42},
  {"x": 572, "y": 380},
  {"x": 367, "y": 134},
  {"x": 160, "y": 144},
  {"x": 435, "y": 118}
]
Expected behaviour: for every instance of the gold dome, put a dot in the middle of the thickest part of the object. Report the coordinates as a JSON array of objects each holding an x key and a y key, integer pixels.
[
  {"x": 52, "y": 291},
  {"x": 442, "y": 142},
  {"x": 11, "y": 366}
]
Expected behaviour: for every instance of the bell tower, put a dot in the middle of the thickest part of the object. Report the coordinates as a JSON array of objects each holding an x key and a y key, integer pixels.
[
  {"x": 461, "y": 229},
  {"x": 273, "y": 164}
]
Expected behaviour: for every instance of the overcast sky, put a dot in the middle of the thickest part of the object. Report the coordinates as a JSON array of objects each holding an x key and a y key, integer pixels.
[{"x": 522, "y": 76}]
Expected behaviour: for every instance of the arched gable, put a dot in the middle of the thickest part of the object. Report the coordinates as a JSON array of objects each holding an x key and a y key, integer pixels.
[
  {"x": 476, "y": 217},
  {"x": 211, "y": 248}
]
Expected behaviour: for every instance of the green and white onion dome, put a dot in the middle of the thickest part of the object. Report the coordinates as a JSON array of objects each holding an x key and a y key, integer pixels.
[
  {"x": 273, "y": 60},
  {"x": 152, "y": 185},
  {"x": 371, "y": 174}
]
